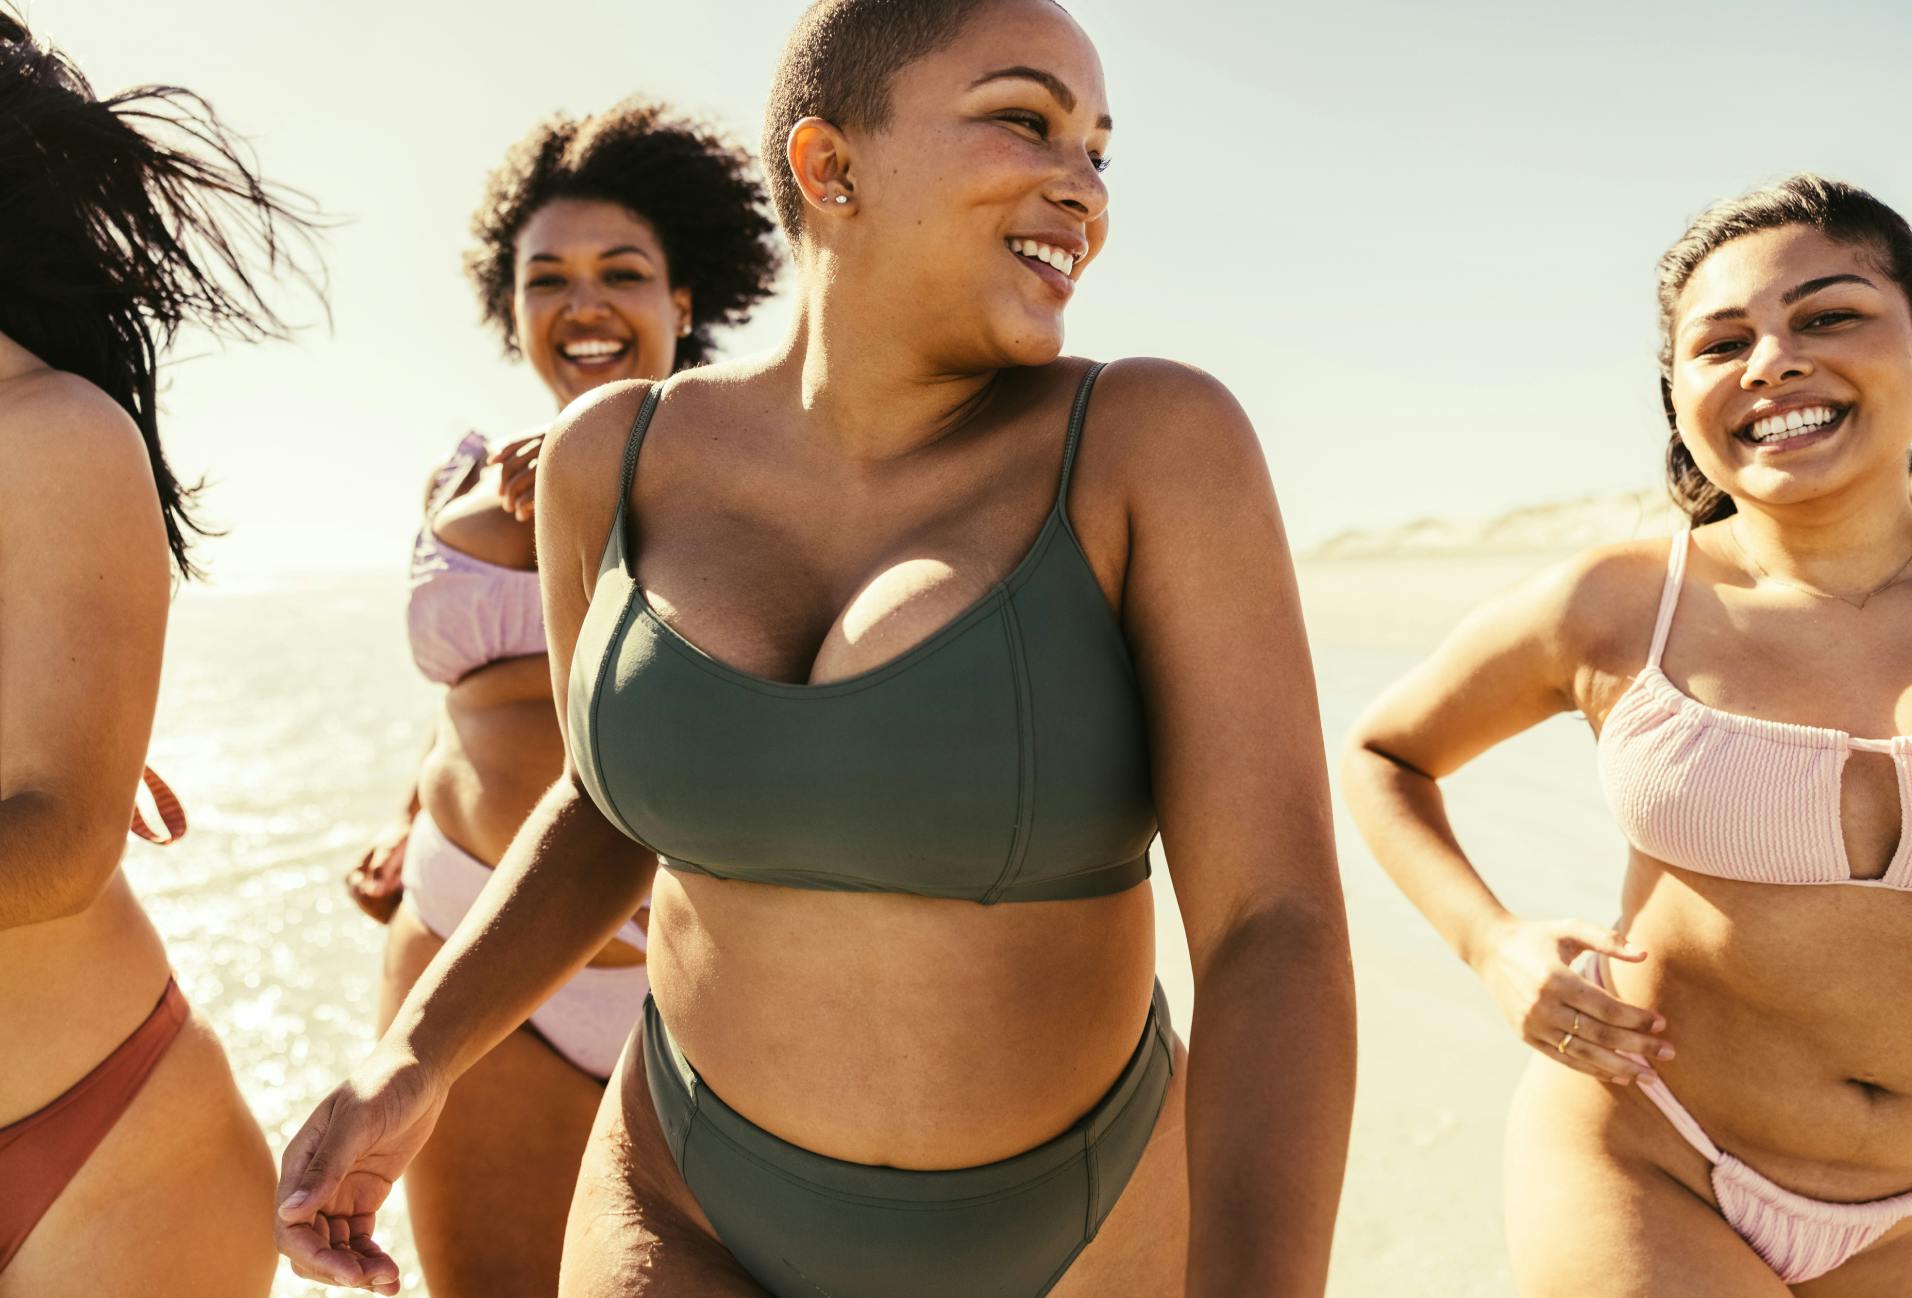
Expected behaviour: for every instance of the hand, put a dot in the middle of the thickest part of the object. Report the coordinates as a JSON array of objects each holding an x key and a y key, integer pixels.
[
  {"x": 341, "y": 1166},
  {"x": 374, "y": 883},
  {"x": 518, "y": 480},
  {"x": 1527, "y": 966}
]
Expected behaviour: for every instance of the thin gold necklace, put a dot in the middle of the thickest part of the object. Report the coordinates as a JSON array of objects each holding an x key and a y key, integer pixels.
[{"x": 1856, "y": 601}]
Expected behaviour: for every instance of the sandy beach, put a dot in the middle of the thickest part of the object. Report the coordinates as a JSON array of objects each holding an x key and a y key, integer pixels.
[{"x": 289, "y": 719}]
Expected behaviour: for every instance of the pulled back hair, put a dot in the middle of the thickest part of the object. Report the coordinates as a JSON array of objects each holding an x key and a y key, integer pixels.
[
  {"x": 694, "y": 187},
  {"x": 1842, "y": 213},
  {"x": 123, "y": 219},
  {"x": 839, "y": 64}
]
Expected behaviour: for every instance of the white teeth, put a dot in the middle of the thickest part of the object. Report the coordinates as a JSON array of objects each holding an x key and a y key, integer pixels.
[
  {"x": 591, "y": 349},
  {"x": 1775, "y": 427},
  {"x": 1046, "y": 253}
]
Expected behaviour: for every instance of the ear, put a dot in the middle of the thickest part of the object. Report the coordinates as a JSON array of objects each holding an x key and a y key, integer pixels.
[
  {"x": 680, "y": 299},
  {"x": 819, "y": 158}
]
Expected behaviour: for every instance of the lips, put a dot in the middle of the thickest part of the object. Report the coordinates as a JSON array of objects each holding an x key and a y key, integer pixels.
[{"x": 594, "y": 352}]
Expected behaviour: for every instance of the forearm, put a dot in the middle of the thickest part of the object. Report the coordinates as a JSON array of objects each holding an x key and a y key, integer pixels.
[
  {"x": 1270, "y": 1095},
  {"x": 1403, "y": 820},
  {"x": 50, "y": 866},
  {"x": 565, "y": 885}
]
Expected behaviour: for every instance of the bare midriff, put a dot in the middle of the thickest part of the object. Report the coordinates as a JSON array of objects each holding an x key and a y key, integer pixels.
[
  {"x": 71, "y": 990},
  {"x": 896, "y": 1030},
  {"x": 495, "y": 749},
  {"x": 1785, "y": 1005}
]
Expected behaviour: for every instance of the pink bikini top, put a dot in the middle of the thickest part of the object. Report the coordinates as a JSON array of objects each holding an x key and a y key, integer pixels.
[
  {"x": 1734, "y": 796},
  {"x": 464, "y": 612}
]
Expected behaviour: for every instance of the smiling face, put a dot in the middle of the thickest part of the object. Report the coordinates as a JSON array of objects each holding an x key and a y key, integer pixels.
[
  {"x": 1792, "y": 368},
  {"x": 593, "y": 300},
  {"x": 981, "y": 201}
]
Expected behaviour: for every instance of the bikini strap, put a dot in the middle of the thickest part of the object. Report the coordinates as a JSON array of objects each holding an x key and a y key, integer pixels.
[
  {"x": 614, "y": 544},
  {"x": 166, "y": 803},
  {"x": 1077, "y": 414},
  {"x": 1670, "y": 594}
]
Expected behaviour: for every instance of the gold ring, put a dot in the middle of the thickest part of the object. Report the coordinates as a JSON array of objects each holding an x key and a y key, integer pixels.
[{"x": 1562, "y": 1047}]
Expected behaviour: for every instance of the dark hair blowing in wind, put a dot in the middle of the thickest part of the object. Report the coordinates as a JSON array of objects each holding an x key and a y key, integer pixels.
[
  {"x": 122, "y": 220},
  {"x": 1843, "y": 213}
]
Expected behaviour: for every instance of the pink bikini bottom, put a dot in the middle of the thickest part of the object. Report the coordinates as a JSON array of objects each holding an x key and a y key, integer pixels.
[
  {"x": 1799, "y": 1238},
  {"x": 588, "y": 1019}
]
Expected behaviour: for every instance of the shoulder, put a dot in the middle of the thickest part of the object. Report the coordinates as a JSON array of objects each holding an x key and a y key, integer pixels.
[
  {"x": 1598, "y": 606},
  {"x": 73, "y": 454},
  {"x": 1173, "y": 431},
  {"x": 587, "y": 441}
]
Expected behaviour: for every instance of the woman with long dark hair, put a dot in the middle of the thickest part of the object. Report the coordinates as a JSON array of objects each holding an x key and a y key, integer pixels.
[
  {"x": 121, "y": 221},
  {"x": 1721, "y": 1102},
  {"x": 608, "y": 248},
  {"x": 895, "y": 646}
]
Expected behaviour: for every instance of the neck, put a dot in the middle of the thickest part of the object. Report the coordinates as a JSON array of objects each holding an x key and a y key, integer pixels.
[
  {"x": 16, "y": 360},
  {"x": 1843, "y": 546},
  {"x": 870, "y": 389}
]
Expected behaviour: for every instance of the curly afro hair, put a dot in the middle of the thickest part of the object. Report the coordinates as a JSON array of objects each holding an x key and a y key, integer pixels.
[{"x": 698, "y": 190}]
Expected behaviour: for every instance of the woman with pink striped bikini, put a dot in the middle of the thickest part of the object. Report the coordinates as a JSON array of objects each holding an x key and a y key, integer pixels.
[{"x": 1722, "y": 1102}]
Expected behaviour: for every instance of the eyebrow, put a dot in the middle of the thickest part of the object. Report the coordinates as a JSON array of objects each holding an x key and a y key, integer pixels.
[
  {"x": 608, "y": 252},
  {"x": 1796, "y": 293},
  {"x": 1049, "y": 81}
]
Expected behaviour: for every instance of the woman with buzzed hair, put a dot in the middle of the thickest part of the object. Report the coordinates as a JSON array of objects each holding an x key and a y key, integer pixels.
[{"x": 894, "y": 647}]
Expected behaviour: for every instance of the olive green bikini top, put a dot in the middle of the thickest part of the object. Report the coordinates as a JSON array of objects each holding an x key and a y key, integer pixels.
[{"x": 1005, "y": 758}]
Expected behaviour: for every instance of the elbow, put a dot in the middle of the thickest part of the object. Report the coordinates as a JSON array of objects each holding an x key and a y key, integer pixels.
[{"x": 62, "y": 864}]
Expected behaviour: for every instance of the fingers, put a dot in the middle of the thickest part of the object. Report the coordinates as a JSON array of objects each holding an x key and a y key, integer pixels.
[
  {"x": 315, "y": 1165},
  {"x": 1614, "y": 1023},
  {"x": 520, "y": 491},
  {"x": 1594, "y": 1060},
  {"x": 355, "y": 1260},
  {"x": 1592, "y": 937}
]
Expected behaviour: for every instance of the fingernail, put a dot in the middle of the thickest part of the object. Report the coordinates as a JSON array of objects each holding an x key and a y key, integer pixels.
[
  {"x": 1659, "y": 1025},
  {"x": 1666, "y": 1052},
  {"x": 297, "y": 1200},
  {"x": 1623, "y": 1079}
]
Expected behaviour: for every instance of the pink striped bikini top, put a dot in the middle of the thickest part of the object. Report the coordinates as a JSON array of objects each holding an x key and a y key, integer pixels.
[
  {"x": 465, "y": 613},
  {"x": 1734, "y": 796}
]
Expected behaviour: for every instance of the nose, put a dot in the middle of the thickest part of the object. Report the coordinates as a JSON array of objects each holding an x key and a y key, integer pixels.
[
  {"x": 583, "y": 301},
  {"x": 1080, "y": 190},
  {"x": 1773, "y": 361}
]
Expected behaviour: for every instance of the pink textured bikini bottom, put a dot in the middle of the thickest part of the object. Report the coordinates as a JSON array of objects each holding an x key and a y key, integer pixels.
[{"x": 1799, "y": 1238}]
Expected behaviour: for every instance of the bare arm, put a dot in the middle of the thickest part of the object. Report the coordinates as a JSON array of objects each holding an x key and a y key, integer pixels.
[
  {"x": 1241, "y": 788},
  {"x": 565, "y": 885},
  {"x": 1513, "y": 663},
  {"x": 84, "y": 585}
]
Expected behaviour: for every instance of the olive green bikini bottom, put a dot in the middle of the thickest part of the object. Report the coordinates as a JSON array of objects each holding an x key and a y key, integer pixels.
[{"x": 806, "y": 1226}]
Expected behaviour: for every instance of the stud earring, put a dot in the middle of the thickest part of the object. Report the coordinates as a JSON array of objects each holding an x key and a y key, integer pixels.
[
  {"x": 842, "y": 198},
  {"x": 683, "y": 330}
]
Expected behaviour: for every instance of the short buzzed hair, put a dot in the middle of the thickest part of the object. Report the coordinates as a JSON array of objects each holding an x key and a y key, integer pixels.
[{"x": 839, "y": 64}]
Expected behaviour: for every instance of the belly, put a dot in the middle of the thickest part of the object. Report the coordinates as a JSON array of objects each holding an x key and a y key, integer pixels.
[
  {"x": 495, "y": 752},
  {"x": 896, "y": 1030},
  {"x": 70, "y": 991},
  {"x": 1786, "y": 1007}
]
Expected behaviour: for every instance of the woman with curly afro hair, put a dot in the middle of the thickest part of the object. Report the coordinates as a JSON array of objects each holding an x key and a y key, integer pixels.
[{"x": 609, "y": 247}]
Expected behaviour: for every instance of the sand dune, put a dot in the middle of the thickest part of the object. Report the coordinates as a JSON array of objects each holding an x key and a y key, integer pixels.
[{"x": 1557, "y": 526}]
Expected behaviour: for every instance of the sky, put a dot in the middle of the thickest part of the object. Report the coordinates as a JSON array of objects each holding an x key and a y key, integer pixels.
[{"x": 1416, "y": 240}]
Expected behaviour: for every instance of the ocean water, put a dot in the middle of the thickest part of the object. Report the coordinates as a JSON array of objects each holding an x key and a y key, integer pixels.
[{"x": 289, "y": 722}]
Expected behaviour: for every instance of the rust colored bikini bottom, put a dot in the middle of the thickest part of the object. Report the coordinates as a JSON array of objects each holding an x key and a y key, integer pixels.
[{"x": 42, "y": 1152}]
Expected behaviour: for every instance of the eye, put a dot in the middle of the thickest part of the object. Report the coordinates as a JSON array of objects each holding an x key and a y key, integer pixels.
[
  {"x": 1034, "y": 122},
  {"x": 1099, "y": 162},
  {"x": 1723, "y": 347},
  {"x": 1826, "y": 319},
  {"x": 544, "y": 281},
  {"x": 626, "y": 276}
]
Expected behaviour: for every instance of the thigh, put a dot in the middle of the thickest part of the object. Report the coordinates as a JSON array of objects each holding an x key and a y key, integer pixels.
[
  {"x": 1142, "y": 1249},
  {"x": 489, "y": 1193},
  {"x": 1879, "y": 1272},
  {"x": 176, "y": 1202},
  {"x": 635, "y": 1231},
  {"x": 1603, "y": 1204}
]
